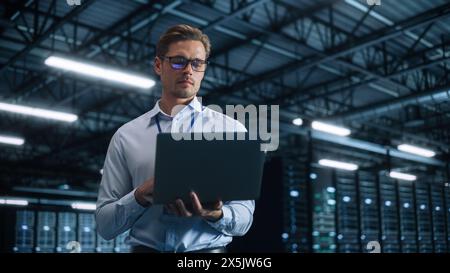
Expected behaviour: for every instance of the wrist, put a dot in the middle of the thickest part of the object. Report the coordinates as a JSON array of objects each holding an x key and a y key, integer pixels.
[
  {"x": 216, "y": 216},
  {"x": 140, "y": 199}
]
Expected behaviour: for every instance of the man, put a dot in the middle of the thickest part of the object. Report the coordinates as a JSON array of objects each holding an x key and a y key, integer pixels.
[{"x": 125, "y": 194}]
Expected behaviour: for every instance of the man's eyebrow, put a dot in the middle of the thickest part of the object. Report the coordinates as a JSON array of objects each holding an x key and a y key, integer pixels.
[{"x": 184, "y": 56}]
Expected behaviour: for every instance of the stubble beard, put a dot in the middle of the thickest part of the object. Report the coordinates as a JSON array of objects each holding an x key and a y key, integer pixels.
[{"x": 183, "y": 93}]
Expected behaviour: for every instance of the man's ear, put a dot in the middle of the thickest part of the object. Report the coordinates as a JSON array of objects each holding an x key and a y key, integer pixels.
[{"x": 157, "y": 66}]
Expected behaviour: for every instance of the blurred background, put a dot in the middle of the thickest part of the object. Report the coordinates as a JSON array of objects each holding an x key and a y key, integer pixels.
[{"x": 363, "y": 88}]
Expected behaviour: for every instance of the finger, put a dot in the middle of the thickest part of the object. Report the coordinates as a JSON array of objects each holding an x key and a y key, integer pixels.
[
  {"x": 197, "y": 205},
  {"x": 177, "y": 208},
  {"x": 171, "y": 208},
  {"x": 182, "y": 208},
  {"x": 174, "y": 209}
]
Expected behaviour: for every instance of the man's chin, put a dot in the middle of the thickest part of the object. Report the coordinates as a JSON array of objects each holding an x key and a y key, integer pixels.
[{"x": 184, "y": 94}]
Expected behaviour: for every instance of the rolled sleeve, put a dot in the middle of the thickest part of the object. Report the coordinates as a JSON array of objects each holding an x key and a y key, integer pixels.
[{"x": 237, "y": 218}]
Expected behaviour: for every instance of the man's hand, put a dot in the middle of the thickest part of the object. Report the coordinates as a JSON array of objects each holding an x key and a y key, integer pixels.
[
  {"x": 213, "y": 212},
  {"x": 144, "y": 193}
]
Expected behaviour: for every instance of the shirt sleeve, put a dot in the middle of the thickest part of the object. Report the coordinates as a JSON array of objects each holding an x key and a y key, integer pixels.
[
  {"x": 117, "y": 208},
  {"x": 237, "y": 218}
]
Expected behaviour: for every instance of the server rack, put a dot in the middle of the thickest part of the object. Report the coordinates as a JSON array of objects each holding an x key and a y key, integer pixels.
[
  {"x": 324, "y": 228},
  {"x": 87, "y": 232},
  {"x": 347, "y": 210},
  {"x": 390, "y": 226},
  {"x": 24, "y": 231},
  {"x": 424, "y": 220},
  {"x": 46, "y": 232},
  {"x": 370, "y": 219},
  {"x": 297, "y": 234},
  {"x": 438, "y": 217},
  {"x": 447, "y": 212},
  {"x": 407, "y": 216},
  {"x": 66, "y": 231}
]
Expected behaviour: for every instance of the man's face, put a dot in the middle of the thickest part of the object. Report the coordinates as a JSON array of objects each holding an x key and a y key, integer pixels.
[{"x": 183, "y": 83}]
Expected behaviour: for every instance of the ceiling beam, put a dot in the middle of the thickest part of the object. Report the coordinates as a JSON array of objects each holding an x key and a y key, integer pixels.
[{"x": 57, "y": 25}]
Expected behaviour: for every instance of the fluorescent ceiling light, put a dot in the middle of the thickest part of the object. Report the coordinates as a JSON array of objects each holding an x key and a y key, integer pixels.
[
  {"x": 37, "y": 112},
  {"x": 12, "y": 140},
  {"x": 14, "y": 202},
  {"x": 365, "y": 8},
  {"x": 416, "y": 150},
  {"x": 402, "y": 176},
  {"x": 338, "y": 164},
  {"x": 297, "y": 122},
  {"x": 97, "y": 71},
  {"x": 83, "y": 206},
  {"x": 331, "y": 129}
]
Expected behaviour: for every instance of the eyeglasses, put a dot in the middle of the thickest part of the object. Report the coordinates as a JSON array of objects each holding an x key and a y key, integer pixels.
[{"x": 180, "y": 63}]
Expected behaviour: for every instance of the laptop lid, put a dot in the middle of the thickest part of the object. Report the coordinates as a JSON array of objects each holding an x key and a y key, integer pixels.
[{"x": 214, "y": 169}]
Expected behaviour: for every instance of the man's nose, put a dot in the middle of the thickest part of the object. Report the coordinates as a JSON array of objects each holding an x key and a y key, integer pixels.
[{"x": 188, "y": 69}]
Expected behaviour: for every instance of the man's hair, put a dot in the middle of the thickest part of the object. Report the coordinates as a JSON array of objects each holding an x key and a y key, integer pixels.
[{"x": 181, "y": 33}]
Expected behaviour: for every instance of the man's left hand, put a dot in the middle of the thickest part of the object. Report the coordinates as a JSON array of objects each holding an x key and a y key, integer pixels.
[{"x": 211, "y": 213}]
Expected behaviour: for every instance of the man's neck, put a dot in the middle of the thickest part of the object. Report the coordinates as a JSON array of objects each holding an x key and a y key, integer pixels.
[{"x": 167, "y": 103}]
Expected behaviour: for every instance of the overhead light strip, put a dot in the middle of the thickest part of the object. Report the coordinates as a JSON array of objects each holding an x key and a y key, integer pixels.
[
  {"x": 416, "y": 150},
  {"x": 329, "y": 128},
  {"x": 37, "y": 112},
  {"x": 338, "y": 164},
  {"x": 16, "y": 141},
  {"x": 402, "y": 176},
  {"x": 97, "y": 71}
]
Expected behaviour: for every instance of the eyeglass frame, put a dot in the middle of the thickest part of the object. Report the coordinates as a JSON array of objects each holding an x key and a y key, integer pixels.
[{"x": 189, "y": 62}]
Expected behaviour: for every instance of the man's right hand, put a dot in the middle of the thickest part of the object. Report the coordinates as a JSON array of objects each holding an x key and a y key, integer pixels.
[{"x": 144, "y": 193}]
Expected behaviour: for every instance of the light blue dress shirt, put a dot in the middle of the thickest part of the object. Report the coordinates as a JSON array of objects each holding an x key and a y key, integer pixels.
[{"x": 130, "y": 161}]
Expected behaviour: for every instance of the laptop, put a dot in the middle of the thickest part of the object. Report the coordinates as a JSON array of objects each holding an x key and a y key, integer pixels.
[{"x": 214, "y": 169}]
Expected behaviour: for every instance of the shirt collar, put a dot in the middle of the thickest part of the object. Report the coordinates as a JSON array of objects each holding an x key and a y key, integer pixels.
[{"x": 194, "y": 104}]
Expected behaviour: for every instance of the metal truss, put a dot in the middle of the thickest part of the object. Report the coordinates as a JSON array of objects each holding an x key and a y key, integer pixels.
[{"x": 356, "y": 61}]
